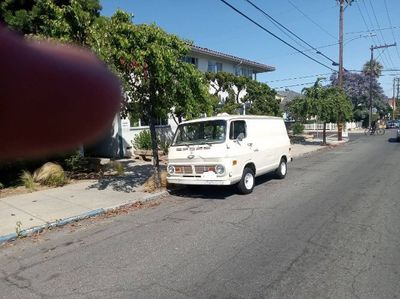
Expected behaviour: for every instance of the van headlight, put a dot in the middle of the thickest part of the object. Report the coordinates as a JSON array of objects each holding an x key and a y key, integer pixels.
[
  {"x": 170, "y": 169},
  {"x": 219, "y": 169}
]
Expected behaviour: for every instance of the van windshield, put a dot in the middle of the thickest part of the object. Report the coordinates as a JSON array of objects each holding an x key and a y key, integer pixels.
[{"x": 201, "y": 132}]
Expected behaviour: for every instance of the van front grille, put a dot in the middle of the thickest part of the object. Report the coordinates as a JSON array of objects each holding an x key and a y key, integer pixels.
[
  {"x": 185, "y": 169},
  {"x": 193, "y": 169},
  {"x": 200, "y": 169}
]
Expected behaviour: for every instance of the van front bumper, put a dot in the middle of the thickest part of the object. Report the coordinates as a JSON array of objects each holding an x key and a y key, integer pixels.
[{"x": 198, "y": 181}]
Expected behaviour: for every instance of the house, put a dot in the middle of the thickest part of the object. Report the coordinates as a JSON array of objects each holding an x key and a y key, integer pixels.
[
  {"x": 392, "y": 103},
  {"x": 119, "y": 141},
  {"x": 285, "y": 97}
]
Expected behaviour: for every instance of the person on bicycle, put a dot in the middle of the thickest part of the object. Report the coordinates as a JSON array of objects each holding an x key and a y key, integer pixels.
[{"x": 373, "y": 127}]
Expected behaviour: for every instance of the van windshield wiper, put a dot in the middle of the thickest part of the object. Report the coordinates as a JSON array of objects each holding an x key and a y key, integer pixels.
[{"x": 206, "y": 142}]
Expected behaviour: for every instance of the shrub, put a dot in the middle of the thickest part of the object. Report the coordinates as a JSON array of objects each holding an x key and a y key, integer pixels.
[
  {"x": 1, "y": 185},
  {"x": 118, "y": 167},
  {"x": 298, "y": 128},
  {"x": 74, "y": 161},
  {"x": 142, "y": 140},
  {"x": 164, "y": 146},
  {"x": 27, "y": 180},
  {"x": 50, "y": 174}
]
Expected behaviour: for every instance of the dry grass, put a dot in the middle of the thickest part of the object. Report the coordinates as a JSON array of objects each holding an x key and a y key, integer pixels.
[
  {"x": 27, "y": 180},
  {"x": 118, "y": 167},
  {"x": 150, "y": 185},
  {"x": 50, "y": 174}
]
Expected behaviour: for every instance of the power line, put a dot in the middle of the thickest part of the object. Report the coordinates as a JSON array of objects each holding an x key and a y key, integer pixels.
[
  {"x": 277, "y": 25},
  {"x": 311, "y": 20},
  {"x": 374, "y": 30},
  {"x": 372, "y": 24},
  {"x": 326, "y": 46},
  {"x": 290, "y": 31},
  {"x": 391, "y": 28},
  {"x": 377, "y": 22},
  {"x": 300, "y": 84},
  {"x": 297, "y": 78},
  {"x": 365, "y": 22},
  {"x": 274, "y": 35}
]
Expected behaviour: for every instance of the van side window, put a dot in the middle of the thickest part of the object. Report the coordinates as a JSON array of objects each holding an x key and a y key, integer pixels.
[{"x": 237, "y": 127}]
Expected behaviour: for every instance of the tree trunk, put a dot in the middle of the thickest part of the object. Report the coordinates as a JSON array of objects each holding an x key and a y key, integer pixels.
[
  {"x": 154, "y": 147},
  {"x": 324, "y": 134},
  {"x": 340, "y": 130}
]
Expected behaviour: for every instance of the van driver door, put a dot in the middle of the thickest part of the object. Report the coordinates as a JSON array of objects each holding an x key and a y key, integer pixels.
[{"x": 239, "y": 146}]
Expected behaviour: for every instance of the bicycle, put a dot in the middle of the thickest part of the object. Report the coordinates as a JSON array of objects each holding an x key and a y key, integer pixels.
[{"x": 371, "y": 131}]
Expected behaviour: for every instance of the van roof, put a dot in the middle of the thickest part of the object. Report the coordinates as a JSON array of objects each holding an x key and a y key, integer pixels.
[{"x": 231, "y": 117}]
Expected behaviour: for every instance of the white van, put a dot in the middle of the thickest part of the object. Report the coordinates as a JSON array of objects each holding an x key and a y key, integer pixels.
[{"x": 226, "y": 150}]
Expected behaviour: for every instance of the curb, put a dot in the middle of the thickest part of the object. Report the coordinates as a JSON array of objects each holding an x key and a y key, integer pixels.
[{"x": 58, "y": 223}]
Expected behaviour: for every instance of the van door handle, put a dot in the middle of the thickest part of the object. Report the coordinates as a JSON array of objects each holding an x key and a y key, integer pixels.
[{"x": 256, "y": 150}]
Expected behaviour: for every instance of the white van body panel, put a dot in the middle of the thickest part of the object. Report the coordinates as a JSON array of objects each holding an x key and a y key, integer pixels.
[{"x": 264, "y": 145}]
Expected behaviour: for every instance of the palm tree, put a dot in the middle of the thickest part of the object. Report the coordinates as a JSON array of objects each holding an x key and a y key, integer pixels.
[{"x": 373, "y": 68}]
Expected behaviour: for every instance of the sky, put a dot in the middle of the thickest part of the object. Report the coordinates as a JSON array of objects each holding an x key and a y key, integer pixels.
[{"x": 214, "y": 25}]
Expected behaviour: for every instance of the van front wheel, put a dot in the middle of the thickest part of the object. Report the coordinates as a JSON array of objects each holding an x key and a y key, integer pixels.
[
  {"x": 246, "y": 184},
  {"x": 281, "y": 171}
]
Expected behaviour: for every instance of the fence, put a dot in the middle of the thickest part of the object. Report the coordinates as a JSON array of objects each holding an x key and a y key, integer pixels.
[{"x": 331, "y": 126}]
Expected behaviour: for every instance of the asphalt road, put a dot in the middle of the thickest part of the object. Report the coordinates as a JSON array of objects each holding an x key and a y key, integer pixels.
[{"x": 331, "y": 229}]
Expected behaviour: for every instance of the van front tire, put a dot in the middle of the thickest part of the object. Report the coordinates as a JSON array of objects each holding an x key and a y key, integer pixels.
[
  {"x": 246, "y": 184},
  {"x": 281, "y": 171}
]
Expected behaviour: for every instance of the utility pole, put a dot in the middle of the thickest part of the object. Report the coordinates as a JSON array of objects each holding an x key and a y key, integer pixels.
[
  {"x": 370, "y": 77},
  {"x": 340, "y": 76},
  {"x": 341, "y": 43},
  {"x": 396, "y": 99},
  {"x": 396, "y": 90},
  {"x": 393, "y": 99}
]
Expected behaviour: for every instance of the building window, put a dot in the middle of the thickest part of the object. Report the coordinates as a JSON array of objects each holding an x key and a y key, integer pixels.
[
  {"x": 191, "y": 60},
  {"x": 135, "y": 122},
  {"x": 244, "y": 71},
  {"x": 211, "y": 66},
  {"x": 214, "y": 67}
]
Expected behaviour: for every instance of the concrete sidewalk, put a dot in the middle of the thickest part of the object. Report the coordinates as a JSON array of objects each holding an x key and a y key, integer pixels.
[{"x": 22, "y": 215}]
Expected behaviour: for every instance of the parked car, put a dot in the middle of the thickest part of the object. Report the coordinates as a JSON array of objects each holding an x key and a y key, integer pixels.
[
  {"x": 392, "y": 124},
  {"x": 227, "y": 150},
  {"x": 398, "y": 135}
]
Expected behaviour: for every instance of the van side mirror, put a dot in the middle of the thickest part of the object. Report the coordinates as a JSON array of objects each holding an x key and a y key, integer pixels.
[{"x": 240, "y": 137}]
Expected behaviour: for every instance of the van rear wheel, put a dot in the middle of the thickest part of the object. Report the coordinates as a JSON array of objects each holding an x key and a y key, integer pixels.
[
  {"x": 281, "y": 171},
  {"x": 246, "y": 184}
]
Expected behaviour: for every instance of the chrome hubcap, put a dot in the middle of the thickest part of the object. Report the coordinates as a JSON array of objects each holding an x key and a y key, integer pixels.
[
  {"x": 283, "y": 168},
  {"x": 249, "y": 181}
]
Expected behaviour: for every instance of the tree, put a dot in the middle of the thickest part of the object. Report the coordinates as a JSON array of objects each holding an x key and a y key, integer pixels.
[
  {"x": 373, "y": 68},
  {"x": 241, "y": 91},
  {"x": 156, "y": 81},
  {"x": 334, "y": 106},
  {"x": 356, "y": 86},
  {"x": 163, "y": 81},
  {"x": 231, "y": 86},
  {"x": 328, "y": 104},
  {"x": 261, "y": 99},
  {"x": 67, "y": 20}
]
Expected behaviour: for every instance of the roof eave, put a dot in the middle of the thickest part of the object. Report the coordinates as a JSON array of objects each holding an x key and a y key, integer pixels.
[{"x": 257, "y": 67}]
